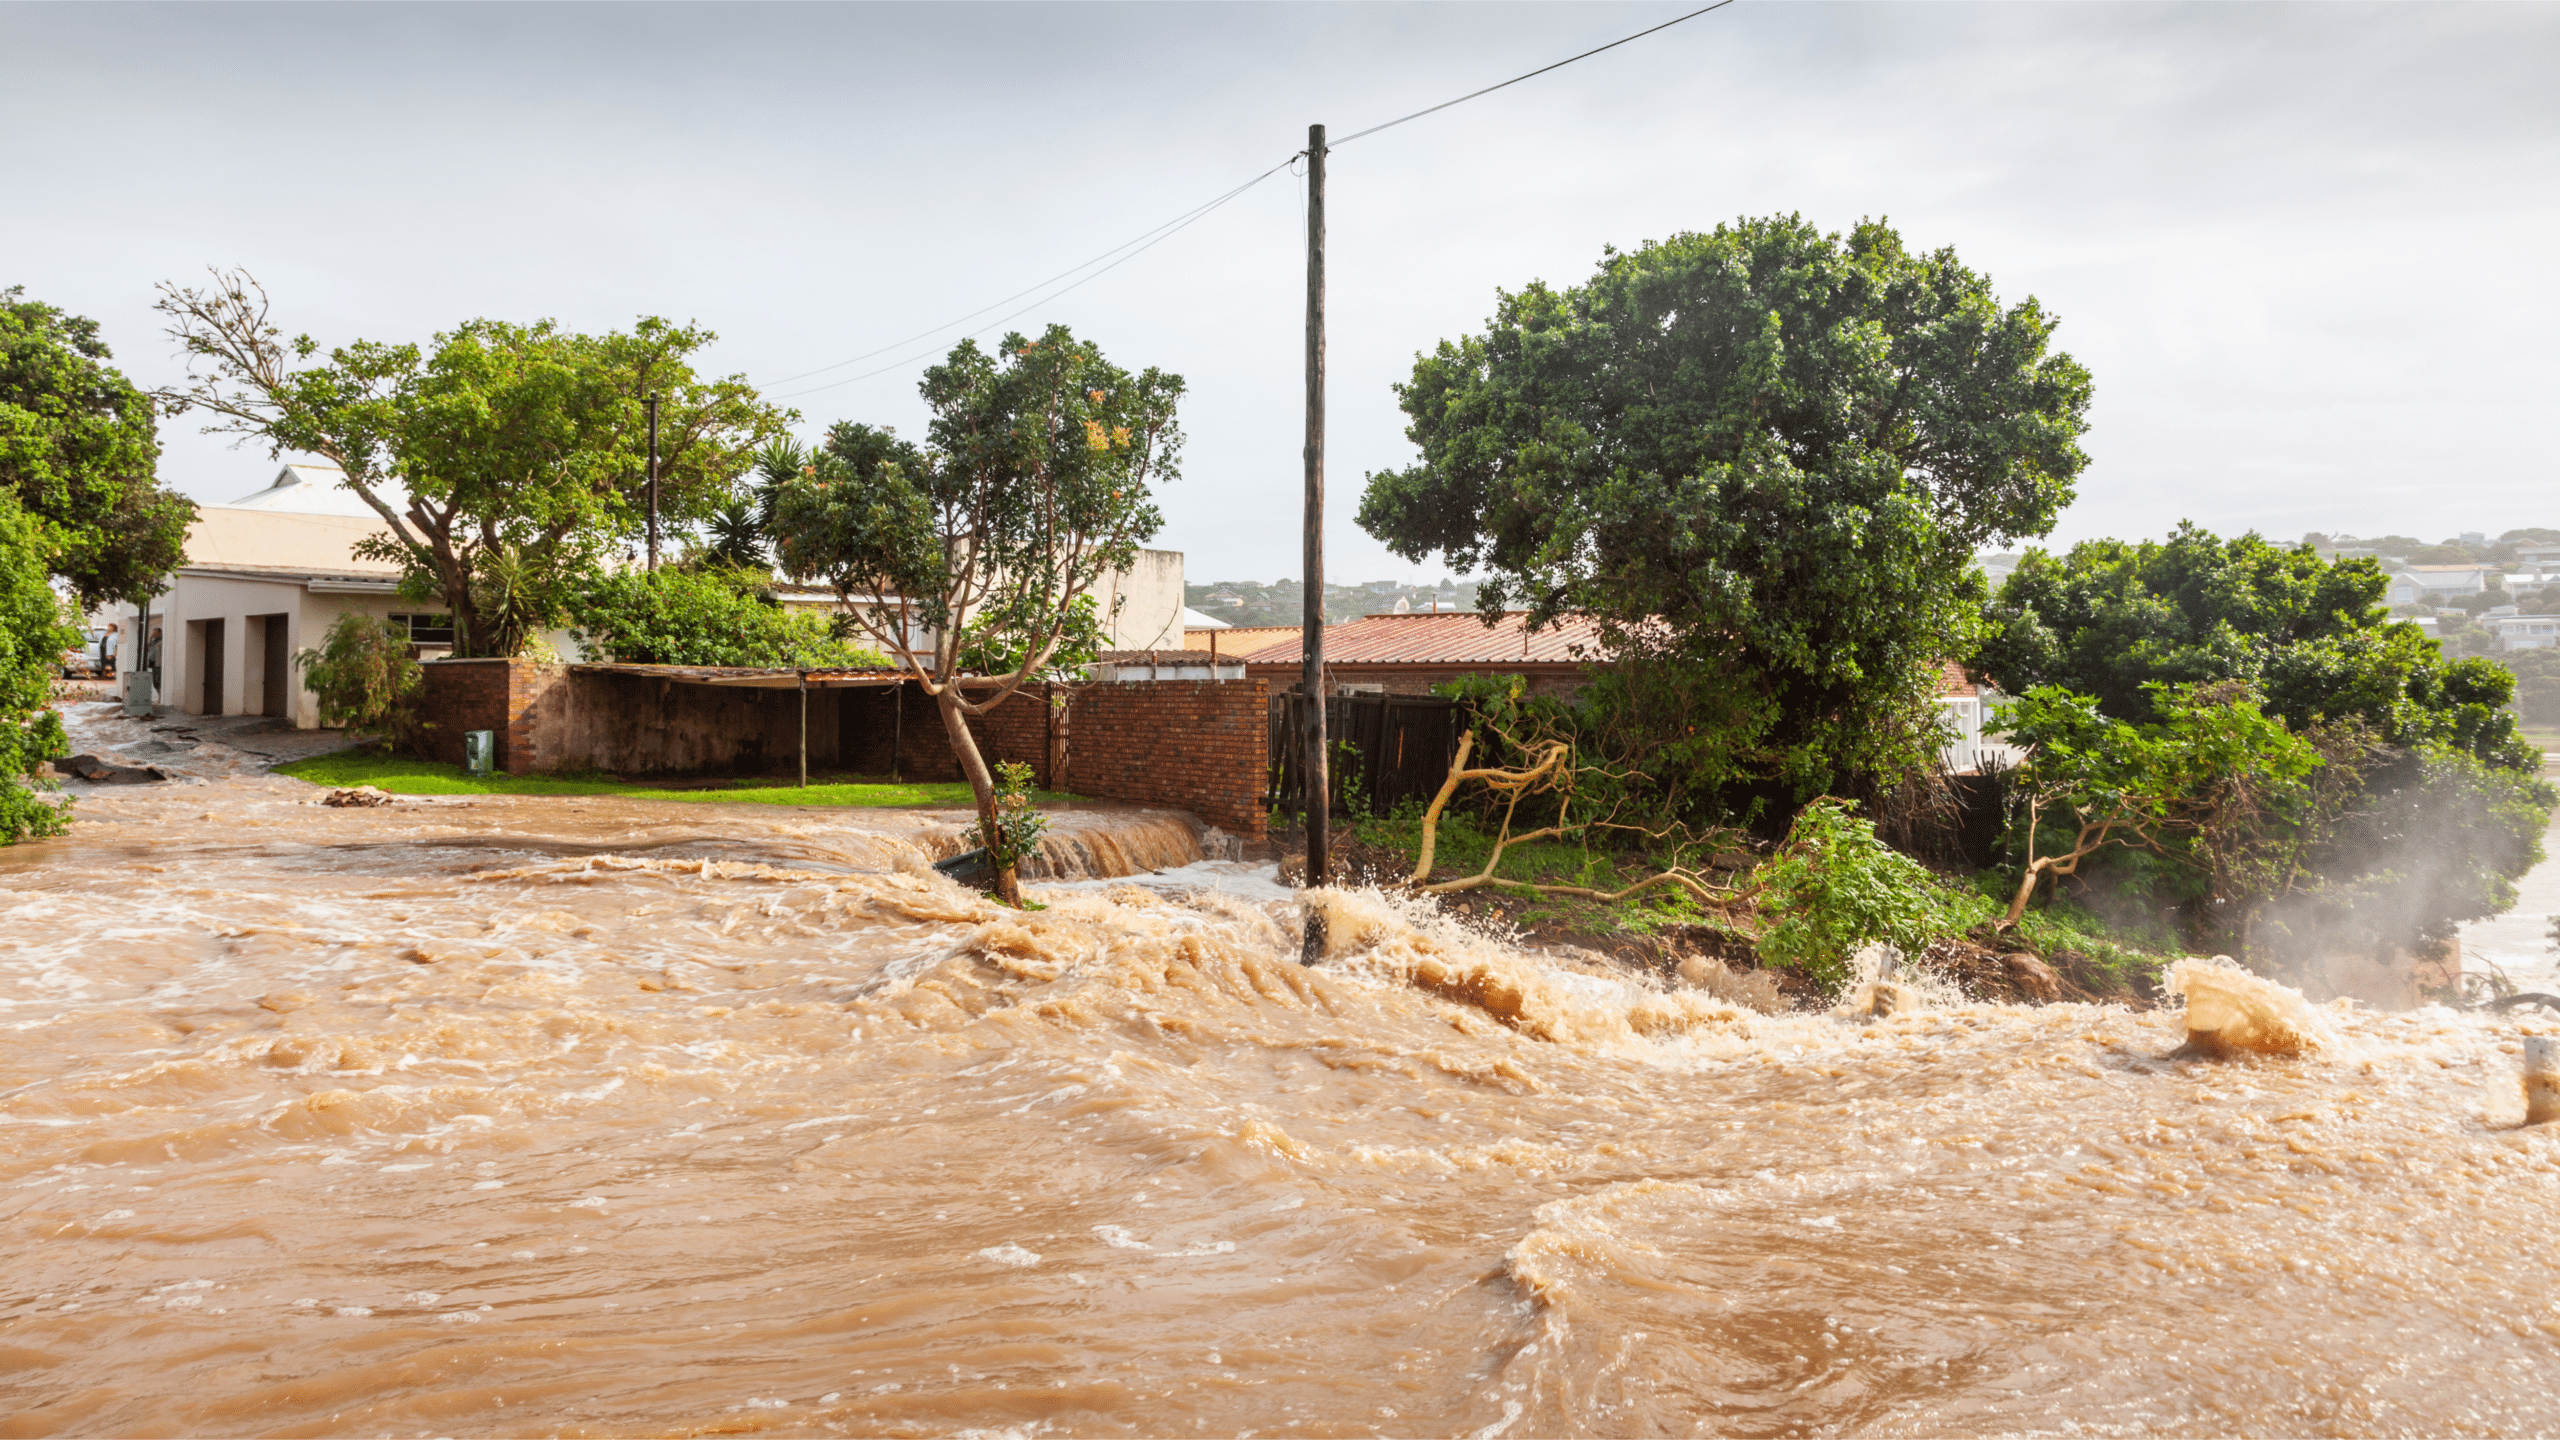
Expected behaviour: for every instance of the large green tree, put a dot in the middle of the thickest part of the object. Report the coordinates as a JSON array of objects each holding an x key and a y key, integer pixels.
[
  {"x": 508, "y": 461},
  {"x": 1033, "y": 484},
  {"x": 2114, "y": 619},
  {"x": 2445, "y": 808},
  {"x": 78, "y": 448},
  {"x": 32, "y": 637},
  {"x": 1762, "y": 458}
]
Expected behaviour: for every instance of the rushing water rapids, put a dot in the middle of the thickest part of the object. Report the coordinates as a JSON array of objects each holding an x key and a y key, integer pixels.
[{"x": 536, "y": 1116}]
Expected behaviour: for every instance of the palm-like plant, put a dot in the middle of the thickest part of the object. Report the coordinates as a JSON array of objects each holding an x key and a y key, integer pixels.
[
  {"x": 737, "y": 536},
  {"x": 778, "y": 464}
]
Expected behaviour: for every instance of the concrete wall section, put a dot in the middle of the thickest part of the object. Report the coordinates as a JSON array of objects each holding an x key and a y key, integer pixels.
[
  {"x": 1149, "y": 593},
  {"x": 225, "y": 536},
  {"x": 257, "y": 618},
  {"x": 634, "y": 725}
]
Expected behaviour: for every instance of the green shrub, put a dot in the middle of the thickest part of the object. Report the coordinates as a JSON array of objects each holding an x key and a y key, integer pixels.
[
  {"x": 706, "y": 617},
  {"x": 1834, "y": 887},
  {"x": 367, "y": 681},
  {"x": 32, "y": 639},
  {"x": 1018, "y": 825}
]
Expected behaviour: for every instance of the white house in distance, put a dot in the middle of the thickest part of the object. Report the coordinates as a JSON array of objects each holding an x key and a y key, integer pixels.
[
  {"x": 1144, "y": 604},
  {"x": 2511, "y": 631},
  {"x": 2413, "y": 584},
  {"x": 264, "y": 578}
]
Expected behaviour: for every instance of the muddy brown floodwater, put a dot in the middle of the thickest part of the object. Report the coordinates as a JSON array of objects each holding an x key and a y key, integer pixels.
[{"x": 604, "y": 1118}]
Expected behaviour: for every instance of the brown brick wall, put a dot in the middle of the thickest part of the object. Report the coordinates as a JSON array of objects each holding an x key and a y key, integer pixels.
[
  {"x": 1200, "y": 745},
  {"x": 644, "y": 725},
  {"x": 1196, "y": 745},
  {"x": 498, "y": 695}
]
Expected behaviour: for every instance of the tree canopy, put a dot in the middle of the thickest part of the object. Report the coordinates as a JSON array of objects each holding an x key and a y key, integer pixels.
[
  {"x": 2424, "y": 805},
  {"x": 2113, "y": 619},
  {"x": 1032, "y": 485},
  {"x": 78, "y": 448},
  {"x": 521, "y": 450},
  {"x": 1762, "y": 457}
]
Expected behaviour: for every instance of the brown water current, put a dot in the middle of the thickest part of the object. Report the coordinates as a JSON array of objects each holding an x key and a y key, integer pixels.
[{"x": 601, "y": 1117}]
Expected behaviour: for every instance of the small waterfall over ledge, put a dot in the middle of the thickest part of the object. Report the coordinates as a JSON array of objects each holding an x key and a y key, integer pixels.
[{"x": 1105, "y": 844}]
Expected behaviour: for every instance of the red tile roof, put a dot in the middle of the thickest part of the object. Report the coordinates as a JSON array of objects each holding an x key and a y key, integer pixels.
[{"x": 1447, "y": 638}]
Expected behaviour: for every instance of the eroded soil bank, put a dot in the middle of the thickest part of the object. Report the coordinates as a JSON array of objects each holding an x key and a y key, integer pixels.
[{"x": 535, "y": 1116}]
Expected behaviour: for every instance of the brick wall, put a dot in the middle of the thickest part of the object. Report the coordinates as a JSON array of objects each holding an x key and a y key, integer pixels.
[
  {"x": 1200, "y": 745},
  {"x": 494, "y": 695}
]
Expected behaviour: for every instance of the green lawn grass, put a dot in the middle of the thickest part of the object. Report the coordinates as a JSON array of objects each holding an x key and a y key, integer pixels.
[{"x": 400, "y": 776}]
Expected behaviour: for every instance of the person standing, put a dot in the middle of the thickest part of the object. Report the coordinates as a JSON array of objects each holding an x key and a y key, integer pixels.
[{"x": 107, "y": 652}]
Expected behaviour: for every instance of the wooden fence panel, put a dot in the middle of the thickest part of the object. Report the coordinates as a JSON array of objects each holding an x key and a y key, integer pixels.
[{"x": 1387, "y": 748}]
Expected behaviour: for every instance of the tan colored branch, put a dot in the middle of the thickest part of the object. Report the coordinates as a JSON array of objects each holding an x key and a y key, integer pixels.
[{"x": 1554, "y": 767}]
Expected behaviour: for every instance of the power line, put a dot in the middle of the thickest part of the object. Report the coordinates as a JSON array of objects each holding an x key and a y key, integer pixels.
[
  {"x": 1149, "y": 239},
  {"x": 1516, "y": 79},
  {"x": 1159, "y": 234}
]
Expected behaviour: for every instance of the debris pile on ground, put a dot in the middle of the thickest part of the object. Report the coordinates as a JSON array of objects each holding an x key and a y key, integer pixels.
[{"x": 359, "y": 795}]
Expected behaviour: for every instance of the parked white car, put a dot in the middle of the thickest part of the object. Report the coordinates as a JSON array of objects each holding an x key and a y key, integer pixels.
[{"x": 85, "y": 660}]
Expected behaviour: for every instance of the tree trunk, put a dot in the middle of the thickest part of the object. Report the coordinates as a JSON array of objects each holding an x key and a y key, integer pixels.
[
  {"x": 2026, "y": 892},
  {"x": 973, "y": 765}
]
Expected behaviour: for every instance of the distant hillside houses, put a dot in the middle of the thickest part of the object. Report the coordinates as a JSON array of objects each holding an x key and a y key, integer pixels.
[{"x": 2424, "y": 584}]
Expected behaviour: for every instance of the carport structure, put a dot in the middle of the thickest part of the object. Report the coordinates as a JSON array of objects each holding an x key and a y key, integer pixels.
[
  {"x": 672, "y": 720},
  {"x": 894, "y": 681}
]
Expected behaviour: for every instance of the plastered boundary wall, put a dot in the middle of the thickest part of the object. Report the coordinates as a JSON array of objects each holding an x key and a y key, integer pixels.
[{"x": 1196, "y": 745}]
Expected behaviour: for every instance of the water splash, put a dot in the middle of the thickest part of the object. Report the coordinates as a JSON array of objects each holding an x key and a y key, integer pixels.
[{"x": 2232, "y": 1012}]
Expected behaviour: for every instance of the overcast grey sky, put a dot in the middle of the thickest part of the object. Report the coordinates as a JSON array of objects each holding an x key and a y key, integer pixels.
[{"x": 2305, "y": 250}]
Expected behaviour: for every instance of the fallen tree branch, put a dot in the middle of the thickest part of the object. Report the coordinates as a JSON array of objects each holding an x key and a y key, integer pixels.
[{"x": 1554, "y": 770}]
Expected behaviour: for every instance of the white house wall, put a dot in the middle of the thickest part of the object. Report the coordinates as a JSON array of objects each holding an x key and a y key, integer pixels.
[
  {"x": 1150, "y": 597},
  {"x": 306, "y": 618},
  {"x": 223, "y": 535}
]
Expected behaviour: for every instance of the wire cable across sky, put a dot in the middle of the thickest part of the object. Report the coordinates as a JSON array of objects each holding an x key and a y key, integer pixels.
[
  {"x": 1516, "y": 79},
  {"x": 1151, "y": 239},
  {"x": 1132, "y": 248}
]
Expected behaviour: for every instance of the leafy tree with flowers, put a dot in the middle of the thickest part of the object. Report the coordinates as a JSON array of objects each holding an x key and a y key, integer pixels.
[{"x": 1032, "y": 485}]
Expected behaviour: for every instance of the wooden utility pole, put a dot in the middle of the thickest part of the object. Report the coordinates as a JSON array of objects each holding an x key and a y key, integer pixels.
[
  {"x": 653, "y": 482},
  {"x": 1318, "y": 791}
]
